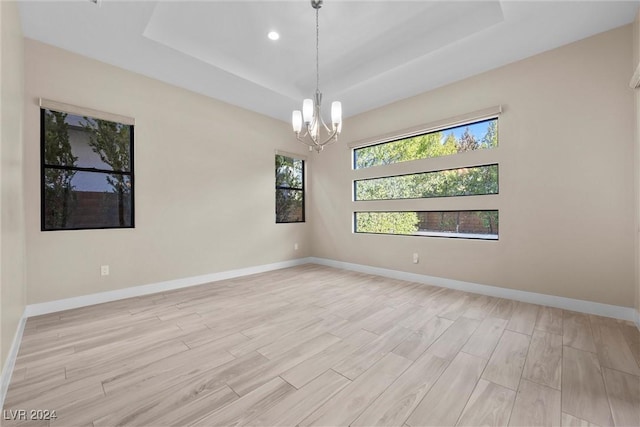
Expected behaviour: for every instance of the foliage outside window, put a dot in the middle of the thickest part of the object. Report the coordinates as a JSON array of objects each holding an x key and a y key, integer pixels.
[
  {"x": 458, "y": 224},
  {"x": 87, "y": 172},
  {"x": 472, "y": 181},
  {"x": 289, "y": 189},
  {"x": 474, "y": 136}
]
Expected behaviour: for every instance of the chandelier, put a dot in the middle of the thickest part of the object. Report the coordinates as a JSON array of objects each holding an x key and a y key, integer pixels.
[{"x": 311, "y": 115}]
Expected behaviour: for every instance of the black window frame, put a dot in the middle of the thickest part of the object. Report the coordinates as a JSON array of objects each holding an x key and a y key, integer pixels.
[
  {"x": 443, "y": 235},
  {"x": 357, "y": 203},
  {"x": 354, "y": 155},
  {"x": 301, "y": 189},
  {"x": 44, "y": 166},
  {"x": 435, "y": 171}
]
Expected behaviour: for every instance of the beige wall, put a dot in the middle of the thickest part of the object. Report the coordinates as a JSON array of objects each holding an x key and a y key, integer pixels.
[
  {"x": 204, "y": 183},
  {"x": 12, "y": 248},
  {"x": 566, "y": 178}
]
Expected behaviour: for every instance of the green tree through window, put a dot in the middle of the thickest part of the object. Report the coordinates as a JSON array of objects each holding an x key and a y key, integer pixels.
[
  {"x": 476, "y": 180},
  {"x": 472, "y": 181},
  {"x": 87, "y": 172},
  {"x": 433, "y": 144},
  {"x": 58, "y": 185},
  {"x": 289, "y": 189},
  {"x": 110, "y": 140}
]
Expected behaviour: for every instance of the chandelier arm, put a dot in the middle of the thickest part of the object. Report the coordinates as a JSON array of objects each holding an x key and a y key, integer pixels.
[
  {"x": 312, "y": 125},
  {"x": 310, "y": 142},
  {"x": 333, "y": 137},
  {"x": 307, "y": 138},
  {"x": 307, "y": 143},
  {"x": 329, "y": 130}
]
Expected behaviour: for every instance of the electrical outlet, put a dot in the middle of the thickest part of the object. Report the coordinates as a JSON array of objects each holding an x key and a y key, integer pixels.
[
  {"x": 416, "y": 258},
  {"x": 295, "y": 246},
  {"x": 104, "y": 270}
]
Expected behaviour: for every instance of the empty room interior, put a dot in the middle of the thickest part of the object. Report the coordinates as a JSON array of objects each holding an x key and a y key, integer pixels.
[{"x": 320, "y": 213}]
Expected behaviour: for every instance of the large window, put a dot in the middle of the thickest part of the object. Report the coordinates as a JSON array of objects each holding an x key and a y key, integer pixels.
[
  {"x": 458, "y": 224},
  {"x": 379, "y": 191},
  {"x": 289, "y": 189},
  {"x": 472, "y": 181},
  {"x": 469, "y": 137},
  {"x": 86, "y": 172}
]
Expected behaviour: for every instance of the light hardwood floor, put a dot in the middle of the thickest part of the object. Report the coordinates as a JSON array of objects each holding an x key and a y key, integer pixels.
[{"x": 313, "y": 346}]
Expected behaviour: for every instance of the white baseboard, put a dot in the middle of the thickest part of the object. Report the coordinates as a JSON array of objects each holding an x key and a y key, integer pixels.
[
  {"x": 7, "y": 369},
  {"x": 136, "y": 291},
  {"x": 625, "y": 313},
  {"x": 590, "y": 307},
  {"x": 102, "y": 297}
]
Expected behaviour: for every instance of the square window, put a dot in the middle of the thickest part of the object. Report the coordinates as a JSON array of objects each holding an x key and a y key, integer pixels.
[{"x": 86, "y": 172}]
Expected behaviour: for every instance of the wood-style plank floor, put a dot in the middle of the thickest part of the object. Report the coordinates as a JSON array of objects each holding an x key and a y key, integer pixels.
[{"x": 317, "y": 346}]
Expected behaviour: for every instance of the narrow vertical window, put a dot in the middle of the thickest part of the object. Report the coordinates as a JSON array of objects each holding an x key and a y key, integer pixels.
[{"x": 289, "y": 189}]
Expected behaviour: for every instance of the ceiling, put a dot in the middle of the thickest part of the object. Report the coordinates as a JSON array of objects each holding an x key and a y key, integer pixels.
[{"x": 371, "y": 52}]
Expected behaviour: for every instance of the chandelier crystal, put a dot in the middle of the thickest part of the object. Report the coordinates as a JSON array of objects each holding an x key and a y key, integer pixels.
[{"x": 311, "y": 116}]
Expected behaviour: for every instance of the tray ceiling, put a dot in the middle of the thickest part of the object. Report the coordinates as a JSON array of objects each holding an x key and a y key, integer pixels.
[{"x": 371, "y": 52}]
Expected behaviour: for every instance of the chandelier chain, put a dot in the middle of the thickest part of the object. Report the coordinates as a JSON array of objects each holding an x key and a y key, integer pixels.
[{"x": 317, "y": 54}]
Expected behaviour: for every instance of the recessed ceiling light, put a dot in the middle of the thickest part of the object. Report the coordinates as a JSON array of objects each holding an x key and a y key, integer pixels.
[{"x": 273, "y": 35}]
